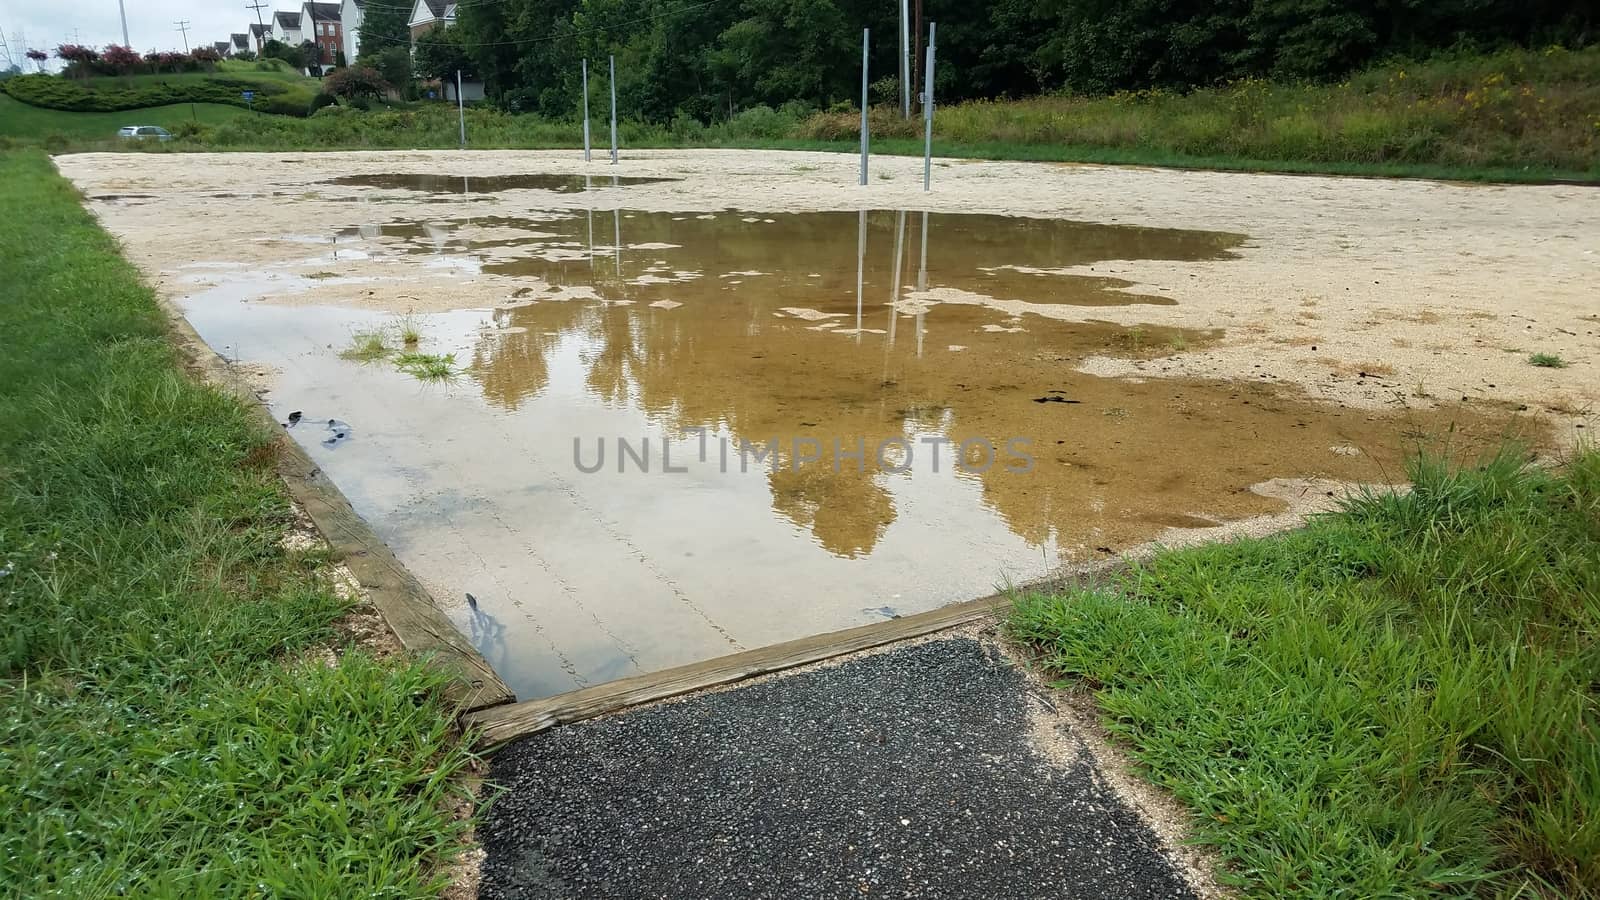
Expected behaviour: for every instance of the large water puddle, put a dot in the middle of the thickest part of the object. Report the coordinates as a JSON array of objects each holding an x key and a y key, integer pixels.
[
  {"x": 693, "y": 433},
  {"x": 489, "y": 184},
  {"x": 806, "y": 259}
]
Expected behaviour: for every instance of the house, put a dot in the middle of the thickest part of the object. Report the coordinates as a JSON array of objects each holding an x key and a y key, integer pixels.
[
  {"x": 262, "y": 34},
  {"x": 240, "y": 44},
  {"x": 223, "y": 48},
  {"x": 350, "y": 20},
  {"x": 286, "y": 28},
  {"x": 427, "y": 15},
  {"x": 323, "y": 27}
]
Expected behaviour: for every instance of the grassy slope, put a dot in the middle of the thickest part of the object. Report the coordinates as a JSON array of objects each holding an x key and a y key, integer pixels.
[
  {"x": 30, "y": 123},
  {"x": 1398, "y": 701},
  {"x": 1512, "y": 116},
  {"x": 164, "y": 729}
]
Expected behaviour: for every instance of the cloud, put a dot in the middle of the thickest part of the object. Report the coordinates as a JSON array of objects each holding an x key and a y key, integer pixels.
[{"x": 151, "y": 23}]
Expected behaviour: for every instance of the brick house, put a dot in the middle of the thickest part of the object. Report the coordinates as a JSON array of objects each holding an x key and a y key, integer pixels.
[{"x": 321, "y": 23}]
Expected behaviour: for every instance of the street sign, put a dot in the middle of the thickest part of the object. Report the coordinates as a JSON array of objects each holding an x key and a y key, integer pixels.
[{"x": 249, "y": 99}]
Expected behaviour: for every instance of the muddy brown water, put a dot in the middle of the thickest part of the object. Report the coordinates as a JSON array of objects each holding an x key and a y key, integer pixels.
[
  {"x": 824, "y": 424},
  {"x": 489, "y": 184}
]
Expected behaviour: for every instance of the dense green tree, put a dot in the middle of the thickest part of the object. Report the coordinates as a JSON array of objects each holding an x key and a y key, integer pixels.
[
  {"x": 441, "y": 53},
  {"x": 383, "y": 26},
  {"x": 713, "y": 60}
]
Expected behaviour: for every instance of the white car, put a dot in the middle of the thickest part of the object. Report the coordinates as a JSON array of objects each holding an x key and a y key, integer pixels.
[{"x": 144, "y": 133}]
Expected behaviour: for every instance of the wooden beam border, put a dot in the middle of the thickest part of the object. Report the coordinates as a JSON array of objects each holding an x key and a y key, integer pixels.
[{"x": 502, "y": 724}]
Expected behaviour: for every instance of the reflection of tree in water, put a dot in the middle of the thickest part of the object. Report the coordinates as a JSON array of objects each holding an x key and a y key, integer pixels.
[
  {"x": 1124, "y": 456},
  {"x": 511, "y": 364},
  {"x": 847, "y": 510}
]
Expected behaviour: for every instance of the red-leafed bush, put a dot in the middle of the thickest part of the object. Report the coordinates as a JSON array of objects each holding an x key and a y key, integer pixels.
[{"x": 120, "y": 60}]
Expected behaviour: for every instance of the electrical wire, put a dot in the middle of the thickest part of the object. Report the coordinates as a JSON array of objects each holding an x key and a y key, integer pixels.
[{"x": 564, "y": 36}]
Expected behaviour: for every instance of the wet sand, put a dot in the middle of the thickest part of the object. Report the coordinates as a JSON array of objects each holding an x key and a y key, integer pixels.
[{"x": 1182, "y": 354}]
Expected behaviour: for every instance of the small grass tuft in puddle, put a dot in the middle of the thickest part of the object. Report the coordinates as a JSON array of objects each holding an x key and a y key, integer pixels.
[
  {"x": 428, "y": 366},
  {"x": 368, "y": 346},
  {"x": 1398, "y": 700},
  {"x": 1547, "y": 361},
  {"x": 409, "y": 330}
]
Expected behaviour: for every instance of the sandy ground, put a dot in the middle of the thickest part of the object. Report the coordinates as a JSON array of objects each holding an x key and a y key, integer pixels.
[
  {"x": 1265, "y": 338},
  {"x": 1430, "y": 288}
]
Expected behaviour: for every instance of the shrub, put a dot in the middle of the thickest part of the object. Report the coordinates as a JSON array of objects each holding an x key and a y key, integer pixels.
[
  {"x": 355, "y": 82},
  {"x": 322, "y": 99}
]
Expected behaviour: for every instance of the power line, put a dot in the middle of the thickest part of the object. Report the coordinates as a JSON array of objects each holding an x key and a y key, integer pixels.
[{"x": 183, "y": 27}]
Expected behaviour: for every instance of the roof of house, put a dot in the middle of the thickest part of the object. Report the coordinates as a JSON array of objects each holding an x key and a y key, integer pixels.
[
  {"x": 437, "y": 7},
  {"x": 259, "y": 30},
  {"x": 240, "y": 41},
  {"x": 287, "y": 19},
  {"x": 223, "y": 46},
  {"x": 323, "y": 12}
]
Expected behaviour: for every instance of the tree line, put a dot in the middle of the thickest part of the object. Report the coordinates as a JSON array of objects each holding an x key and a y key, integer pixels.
[{"x": 710, "y": 60}]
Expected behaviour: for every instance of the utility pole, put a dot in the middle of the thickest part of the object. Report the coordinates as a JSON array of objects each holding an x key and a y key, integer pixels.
[
  {"x": 613, "y": 110},
  {"x": 123, "y": 11},
  {"x": 183, "y": 27},
  {"x": 258, "y": 6}
]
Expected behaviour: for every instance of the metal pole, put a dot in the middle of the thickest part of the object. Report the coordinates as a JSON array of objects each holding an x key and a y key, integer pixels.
[
  {"x": 922, "y": 279},
  {"x": 927, "y": 115},
  {"x": 899, "y": 269},
  {"x": 613, "y": 110},
  {"x": 905, "y": 60},
  {"x": 124, "y": 13},
  {"x": 586, "y": 110},
  {"x": 865, "y": 35},
  {"x": 461, "y": 110}
]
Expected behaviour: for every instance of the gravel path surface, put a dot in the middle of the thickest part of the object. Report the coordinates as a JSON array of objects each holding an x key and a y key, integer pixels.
[{"x": 902, "y": 774}]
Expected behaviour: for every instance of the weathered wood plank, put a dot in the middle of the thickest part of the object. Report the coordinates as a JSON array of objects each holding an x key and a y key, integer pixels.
[
  {"x": 505, "y": 723},
  {"x": 405, "y": 605}
]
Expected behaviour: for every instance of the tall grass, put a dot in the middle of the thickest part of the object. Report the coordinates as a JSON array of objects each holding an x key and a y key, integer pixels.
[
  {"x": 1510, "y": 109},
  {"x": 165, "y": 728},
  {"x": 1399, "y": 700},
  {"x": 1514, "y": 115}
]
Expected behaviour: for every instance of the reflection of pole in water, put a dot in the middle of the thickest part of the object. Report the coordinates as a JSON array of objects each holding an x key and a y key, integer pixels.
[
  {"x": 861, "y": 259},
  {"x": 899, "y": 268},
  {"x": 587, "y": 187},
  {"x": 922, "y": 279},
  {"x": 618, "y": 214}
]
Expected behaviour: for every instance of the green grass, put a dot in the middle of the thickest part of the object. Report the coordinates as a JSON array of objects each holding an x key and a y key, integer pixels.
[
  {"x": 1514, "y": 116},
  {"x": 367, "y": 346},
  {"x": 1399, "y": 700},
  {"x": 427, "y": 366},
  {"x": 22, "y": 122},
  {"x": 166, "y": 728},
  {"x": 1547, "y": 361}
]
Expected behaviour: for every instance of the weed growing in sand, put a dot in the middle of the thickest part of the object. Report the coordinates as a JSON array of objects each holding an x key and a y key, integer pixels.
[
  {"x": 1396, "y": 700},
  {"x": 427, "y": 366},
  {"x": 1547, "y": 361},
  {"x": 367, "y": 346},
  {"x": 1178, "y": 343}
]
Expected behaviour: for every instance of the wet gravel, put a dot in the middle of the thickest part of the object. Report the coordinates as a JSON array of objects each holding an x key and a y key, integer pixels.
[{"x": 903, "y": 774}]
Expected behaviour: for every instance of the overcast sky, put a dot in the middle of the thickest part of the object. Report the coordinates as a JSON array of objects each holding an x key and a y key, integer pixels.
[{"x": 47, "y": 23}]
